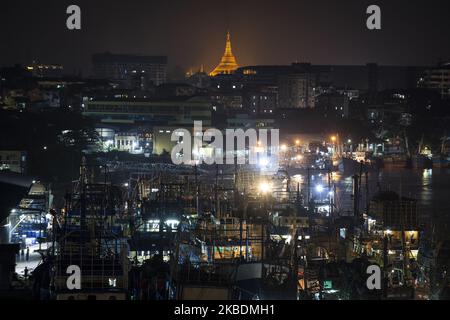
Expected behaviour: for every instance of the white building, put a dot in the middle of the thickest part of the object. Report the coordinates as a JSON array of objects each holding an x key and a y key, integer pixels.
[
  {"x": 127, "y": 142},
  {"x": 438, "y": 79}
]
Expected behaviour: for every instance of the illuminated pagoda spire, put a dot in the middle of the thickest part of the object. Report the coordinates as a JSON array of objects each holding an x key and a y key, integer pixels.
[{"x": 228, "y": 62}]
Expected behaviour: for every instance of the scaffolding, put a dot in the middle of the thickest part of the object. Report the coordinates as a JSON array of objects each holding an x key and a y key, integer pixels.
[{"x": 91, "y": 235}]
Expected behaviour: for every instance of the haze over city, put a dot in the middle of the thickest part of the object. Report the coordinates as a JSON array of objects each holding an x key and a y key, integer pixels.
[
  {"x": 251, "y": 151},
  {"x": 192, "y": 33}
]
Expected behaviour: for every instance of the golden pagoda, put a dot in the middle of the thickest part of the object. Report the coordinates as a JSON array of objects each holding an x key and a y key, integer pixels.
[{"x": 228, "y": 62}]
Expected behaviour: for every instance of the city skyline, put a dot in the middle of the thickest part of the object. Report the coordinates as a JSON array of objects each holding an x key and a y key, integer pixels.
[
  {"x": 263, "y": 33},
  {"x": 171, "y": 150}
]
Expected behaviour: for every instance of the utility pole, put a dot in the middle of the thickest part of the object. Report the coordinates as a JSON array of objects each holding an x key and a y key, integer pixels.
[
  {"x": 197, "y": 188},
  {"x": 367, "y": 192},
  {"x": 355, "y": 196},
  {"x": 309, "y": 186},
  {"x": 385, "y": 264},
  {"x": 216, "y": 192}
]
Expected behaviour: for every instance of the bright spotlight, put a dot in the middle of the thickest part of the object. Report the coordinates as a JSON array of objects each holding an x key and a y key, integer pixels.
[
  {"x": 283, "y": 147},
  {"x": 265, "y": 187},
  {"x": 264, "y": 162},
  {"x": 319, "y": 188}
]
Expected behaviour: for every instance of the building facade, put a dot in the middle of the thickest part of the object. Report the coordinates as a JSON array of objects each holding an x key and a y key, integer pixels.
[
  {"x": 131, "y": 71},
  {"x": 438, "y": 79},
  {"x": 296, "y": 91},
  {"x": 182, "y": 111},
  {"x": 13, "y": 160}
]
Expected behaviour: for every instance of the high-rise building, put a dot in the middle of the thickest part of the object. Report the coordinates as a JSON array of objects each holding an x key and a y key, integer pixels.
[
  {"x": 261, "y": 100},
  {"x": 438, "y": 79},
  {"x": 296, "y": 90},
  {"x": 372, "y": 74},
  {"x": 333, "y": 105},
  {"x": 228, "y": 62},
  {"x": 131, "y": 71}
]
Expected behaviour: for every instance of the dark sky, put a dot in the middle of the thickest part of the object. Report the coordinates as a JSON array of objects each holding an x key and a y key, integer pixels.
[{"x": 192, "y": 32}]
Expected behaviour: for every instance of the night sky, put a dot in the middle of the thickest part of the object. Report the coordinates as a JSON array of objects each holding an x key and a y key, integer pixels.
[{"x": 192, "y": 32}]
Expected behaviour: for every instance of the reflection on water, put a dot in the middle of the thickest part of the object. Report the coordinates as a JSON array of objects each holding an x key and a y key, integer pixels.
[{"x": 430, "y": 187}]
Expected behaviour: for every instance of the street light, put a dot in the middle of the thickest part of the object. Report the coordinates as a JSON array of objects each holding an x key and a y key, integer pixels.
[
  {"x": 265, "y": 187},
  {"x": 319, "y": 188},
  {"x": 263, "y": 162}
]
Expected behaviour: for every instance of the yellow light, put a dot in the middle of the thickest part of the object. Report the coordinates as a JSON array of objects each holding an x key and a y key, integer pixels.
[
  {"x": 333, "y": 138},
  {"x": 265, "y": 187},
  {"x": 299, "y": 157},
  {"x": 283, "y": 147},
  {"x": 297, "y": 142}
]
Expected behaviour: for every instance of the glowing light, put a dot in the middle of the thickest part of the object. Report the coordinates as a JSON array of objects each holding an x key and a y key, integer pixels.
[
  {"x": 283, "y": 147},
  {"x": 333, "y": 138},
  {"x": 263, "y": 162},
  {"x": 172, "y": 222},
  {"x": 297, "y": 142},
  {"x": 265, "y": 187},
  {"x": 299, "y": 157},
  {"x": 287, "y": 238},
  {"x": 319, "y": 188},
  {"x": 228, "y": 62}
]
